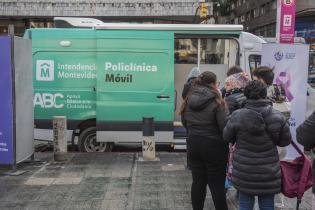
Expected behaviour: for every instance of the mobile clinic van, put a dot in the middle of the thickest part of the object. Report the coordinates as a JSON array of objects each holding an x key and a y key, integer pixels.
[{"x": 105, "y": 77}]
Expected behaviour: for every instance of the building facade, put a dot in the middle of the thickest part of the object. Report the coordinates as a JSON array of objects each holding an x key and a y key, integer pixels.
[
  {"x": 259, "y": 16},
  {"x": 29, "y": 13}
]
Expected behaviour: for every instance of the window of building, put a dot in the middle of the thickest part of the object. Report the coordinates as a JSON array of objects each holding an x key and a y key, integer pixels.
[
  {"x": 256, "y": 12},
  {"x": 248, "y": 16},
  {"x": 267, "y": 7},
  {"x": 271, "y": 30},
  {"x": 274, "y": 5},
  {"x": 252, "y": 14},
  {"x": 242, "y": 18},
  {"x": 263, "y": 9}
]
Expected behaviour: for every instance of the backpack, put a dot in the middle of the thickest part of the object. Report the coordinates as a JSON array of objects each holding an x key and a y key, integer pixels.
[{"x": 296, "y": 176}]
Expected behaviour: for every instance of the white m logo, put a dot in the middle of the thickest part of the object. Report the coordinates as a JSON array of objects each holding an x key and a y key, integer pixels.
[{"x": 45, "y": 70}]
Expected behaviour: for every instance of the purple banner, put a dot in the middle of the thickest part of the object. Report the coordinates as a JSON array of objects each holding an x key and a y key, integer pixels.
[
  {"x": 287, "y": 20},
  {"x": 6, "y": 103}
]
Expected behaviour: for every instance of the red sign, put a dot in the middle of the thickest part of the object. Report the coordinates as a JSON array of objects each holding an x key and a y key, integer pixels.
[{"x": 287, "y": 20}]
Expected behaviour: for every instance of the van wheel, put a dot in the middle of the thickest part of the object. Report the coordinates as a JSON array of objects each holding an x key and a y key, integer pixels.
[{"x": 87, "y": 142}]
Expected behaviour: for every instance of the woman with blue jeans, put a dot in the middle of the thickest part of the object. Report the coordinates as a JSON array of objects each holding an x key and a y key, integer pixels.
[{"x": 257, "y": 129}]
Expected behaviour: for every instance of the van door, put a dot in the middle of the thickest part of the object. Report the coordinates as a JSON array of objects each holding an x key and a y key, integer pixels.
[{"x": 135, "y": 79}]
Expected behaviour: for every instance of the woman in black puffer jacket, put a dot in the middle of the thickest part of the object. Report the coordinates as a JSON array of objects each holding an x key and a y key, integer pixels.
[
  {"x": 257, "y": 129},
  {"x": 204, "y": 114}
]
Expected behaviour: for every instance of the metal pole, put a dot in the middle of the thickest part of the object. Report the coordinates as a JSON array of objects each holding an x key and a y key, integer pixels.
[
  {"x": 11, "y": 29},
  {"x": 199, "y": 53},
  {"x": 60, "y": 138},
  {"x": 278, "y": 19},
  {"x": 148, "y": 143}
]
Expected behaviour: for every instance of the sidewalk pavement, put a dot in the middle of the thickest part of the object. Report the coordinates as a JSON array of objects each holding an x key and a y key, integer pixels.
[{"x": 110, "y": 181}]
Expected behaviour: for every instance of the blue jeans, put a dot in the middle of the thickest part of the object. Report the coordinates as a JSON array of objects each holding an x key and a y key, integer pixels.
[{"x": 266, "y": 202}]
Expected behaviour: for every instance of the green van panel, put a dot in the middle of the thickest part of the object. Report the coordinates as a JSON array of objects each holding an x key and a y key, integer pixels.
[
  {"x": 64, "y": 85},
  {"x": 134, "y": 79}
]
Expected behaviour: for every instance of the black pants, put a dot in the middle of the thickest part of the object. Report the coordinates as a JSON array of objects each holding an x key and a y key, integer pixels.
[{"x": 208, "y": 159}]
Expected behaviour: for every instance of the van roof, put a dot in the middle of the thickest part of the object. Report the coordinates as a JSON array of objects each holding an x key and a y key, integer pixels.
[
  {"x": 173, "y": 27},
  {"x": 77, "y": 22}
]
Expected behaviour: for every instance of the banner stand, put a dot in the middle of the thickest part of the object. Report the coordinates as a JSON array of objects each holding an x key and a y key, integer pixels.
[
  {"x": 16, "y": 106},
  {"x": 290, "y": 66}
]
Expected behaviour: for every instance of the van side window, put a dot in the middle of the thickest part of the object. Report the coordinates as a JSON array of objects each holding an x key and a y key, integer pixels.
[
  {"x": 254, "y": 62},
  {"x": 186, "y": 51},
  {"x": 211, "y": 51},
  {"x": 218, "y": 51}
]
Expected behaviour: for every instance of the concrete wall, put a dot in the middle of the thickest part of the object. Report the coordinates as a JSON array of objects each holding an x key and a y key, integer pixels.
[{"x": 99, "y": 8}]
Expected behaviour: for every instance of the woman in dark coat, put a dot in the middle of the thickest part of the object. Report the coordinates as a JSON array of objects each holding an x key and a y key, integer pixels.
[
  {"x": 257, "y": 129},
  {"x": 204, "y": 114}
]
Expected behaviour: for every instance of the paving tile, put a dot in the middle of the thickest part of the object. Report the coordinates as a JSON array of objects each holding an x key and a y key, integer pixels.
[
  {"x": 56, "y": 193},
  {"x": 45, "y": 205},
  {"x": 148, "y": 204},
  {"x": 172, "y": 167},
  {"x": 84, "y": 205},
  {"x": 113, "y": 205},
  {"x": 39, "y": 181},
  {"x": 117, "y": 195},
  {"x": 88, "y": 195},
  {"x": 71, "y": 174},
  {"x": 13, "y": 205},
  {"x": 67, "y": 180}
]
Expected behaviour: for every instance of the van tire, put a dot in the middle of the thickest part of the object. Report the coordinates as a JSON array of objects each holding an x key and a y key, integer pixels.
[{"x": 87, "y": 142}]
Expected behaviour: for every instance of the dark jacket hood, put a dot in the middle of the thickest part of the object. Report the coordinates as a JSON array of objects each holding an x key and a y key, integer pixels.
[
  {"x": 262, "y": 106},
  {"x": 257, "y": 110},
  {"x": 200, "y": 97}
]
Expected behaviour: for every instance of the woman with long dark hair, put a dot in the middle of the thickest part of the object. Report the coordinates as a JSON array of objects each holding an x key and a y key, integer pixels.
[{"x": 204, "y": 114}]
